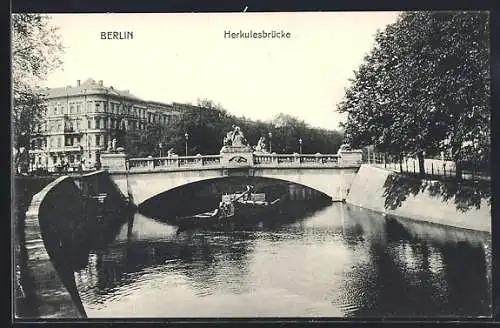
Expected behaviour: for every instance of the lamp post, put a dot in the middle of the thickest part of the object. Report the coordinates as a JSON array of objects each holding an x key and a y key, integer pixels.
[
  {"x": 187, "y": 138},
  {"x": 270, "y": 142},
  {"x": 160, "y": 145},
  {"x": 300, "y": 146}
]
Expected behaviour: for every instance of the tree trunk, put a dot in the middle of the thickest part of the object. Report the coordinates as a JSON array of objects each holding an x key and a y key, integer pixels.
[
  {"x": 16, "y": 159},
  {"x": 458, "y": 170},
  {"x": 401, "y": 162},
  {"x": 421, "y": 167}
]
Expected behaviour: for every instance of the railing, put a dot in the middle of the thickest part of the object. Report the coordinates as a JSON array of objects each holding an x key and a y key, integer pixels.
[
  {"x": 433, "y": 168},
  {"x": 295, "y": 159},
  {"x": 259, "y": 160},
  {"x": 173, "y": 162}
]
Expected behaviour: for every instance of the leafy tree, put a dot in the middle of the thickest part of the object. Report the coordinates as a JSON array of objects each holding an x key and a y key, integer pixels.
[
  {"x": 36, "y": 49},
  {"x": 207, "y": 124},
  {"x": 424, "y": 87}
]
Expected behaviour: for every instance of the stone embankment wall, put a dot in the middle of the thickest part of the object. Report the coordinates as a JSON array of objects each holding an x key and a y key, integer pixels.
[
  {"x": 371, "y": 189},
  {"x": 51, "y": 223},
  {"x": 23, "y": 189},
  {"x": 66, "y": 220}
]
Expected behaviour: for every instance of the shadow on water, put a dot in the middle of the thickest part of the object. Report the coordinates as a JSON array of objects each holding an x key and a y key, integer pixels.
[
  {"x": 205, "y": 195},
  {"x": 393, "y": 267},
  {"x": 408, "y": 262},
  {"x": 205, "y": 257},
  {"x": 467, "y": 194}
]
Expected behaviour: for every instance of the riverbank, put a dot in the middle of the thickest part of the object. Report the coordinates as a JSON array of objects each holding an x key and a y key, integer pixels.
[{"x": 462, "y": 205}]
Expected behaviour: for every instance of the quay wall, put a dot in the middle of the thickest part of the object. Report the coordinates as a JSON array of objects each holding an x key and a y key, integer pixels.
[
  {"x": 23, "y": 189},
  {"x": 65, "y": 221},
  {"x": 376, "y": 189},
  {"x": 52, "y": 231}
]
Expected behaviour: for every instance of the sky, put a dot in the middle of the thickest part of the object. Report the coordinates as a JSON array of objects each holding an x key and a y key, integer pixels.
[{"x": 185, "y": 57}]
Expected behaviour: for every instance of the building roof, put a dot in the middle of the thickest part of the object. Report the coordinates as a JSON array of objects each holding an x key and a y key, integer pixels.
[
  {"x": 91, "y": 87},
  {"x": 88, "y": 87}
]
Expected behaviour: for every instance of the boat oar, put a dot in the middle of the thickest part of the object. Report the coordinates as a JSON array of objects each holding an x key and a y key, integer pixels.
[{"x": 243, "y": 194}]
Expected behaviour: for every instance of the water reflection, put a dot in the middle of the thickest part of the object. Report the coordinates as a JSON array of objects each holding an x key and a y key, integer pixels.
[
  {"x": 415, "y": 269},
  {"x": 338, "y": 261}
]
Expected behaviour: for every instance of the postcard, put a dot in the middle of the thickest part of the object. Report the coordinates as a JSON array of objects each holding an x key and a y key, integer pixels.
[{"x": 251, "y": 165}]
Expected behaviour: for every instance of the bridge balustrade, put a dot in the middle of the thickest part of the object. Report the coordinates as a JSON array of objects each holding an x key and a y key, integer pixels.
[
  {"x": 294, "y": 159},
  {"x": 259, "y": 160},
  {"x": 173, "y": 162}
]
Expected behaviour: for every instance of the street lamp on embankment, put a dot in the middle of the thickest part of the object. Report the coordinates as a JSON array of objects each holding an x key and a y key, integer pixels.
[{"x": 270, "y": 134}]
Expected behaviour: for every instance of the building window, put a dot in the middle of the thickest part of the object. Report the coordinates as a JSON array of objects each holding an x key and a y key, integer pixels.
[
  {"x": 97, "y": 140},
  {"x": 97, "y": 107},
  {"x": 59, "y": 142},
  {"x": 97, "y": 122},
  {"x": 105, "y": 107},
  {"x": 78, "y": 108},
  {"x": 71, "y": 109}
]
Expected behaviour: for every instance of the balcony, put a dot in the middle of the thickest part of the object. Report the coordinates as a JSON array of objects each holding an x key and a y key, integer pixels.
[{"x": 72, "y": 130}]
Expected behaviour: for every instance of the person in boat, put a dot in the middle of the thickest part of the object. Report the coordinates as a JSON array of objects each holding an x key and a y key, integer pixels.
[{"x": 223, "y": 208}]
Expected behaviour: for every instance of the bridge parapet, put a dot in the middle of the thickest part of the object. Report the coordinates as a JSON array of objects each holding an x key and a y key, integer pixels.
[
  {"x": 295, "y": 159},
  {"x": 198, "y": 161},
  {"x": 118, "y": 162}
]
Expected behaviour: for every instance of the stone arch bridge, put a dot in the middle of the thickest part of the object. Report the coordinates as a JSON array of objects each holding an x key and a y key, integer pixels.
[{"x": 144, "y": 178}]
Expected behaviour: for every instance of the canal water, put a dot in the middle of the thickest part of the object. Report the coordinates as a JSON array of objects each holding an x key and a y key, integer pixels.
[{"x": 336, "y": 261}]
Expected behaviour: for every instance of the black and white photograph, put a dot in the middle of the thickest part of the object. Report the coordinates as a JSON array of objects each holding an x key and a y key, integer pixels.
[{"x": 251, "y": 165}]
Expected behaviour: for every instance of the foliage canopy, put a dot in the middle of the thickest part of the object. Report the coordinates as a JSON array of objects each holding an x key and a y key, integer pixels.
[
  {"x": 36, "y": 48},
  {"x": 208, "y": 123},
  {"x": 425, "y": 86}
]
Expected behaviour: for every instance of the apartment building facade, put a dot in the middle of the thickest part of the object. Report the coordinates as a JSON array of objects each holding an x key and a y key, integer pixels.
[{"x": 81, "y": 120}]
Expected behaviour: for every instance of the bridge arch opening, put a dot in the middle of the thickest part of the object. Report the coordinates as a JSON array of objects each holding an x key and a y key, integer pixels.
[{"x": 204, "y": 195}]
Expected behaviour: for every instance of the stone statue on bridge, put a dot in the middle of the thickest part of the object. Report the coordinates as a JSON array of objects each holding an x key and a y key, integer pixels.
[
  {"x": 235, "y": 141},
  {"x": 238, "y": 137},
  {"x": 261, "y": 145},
  {"x": 228, "y": 139},
  {"x": 235, "y": 138}
]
